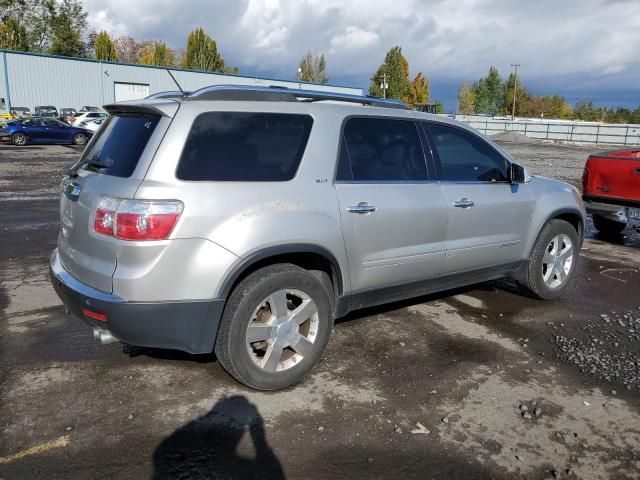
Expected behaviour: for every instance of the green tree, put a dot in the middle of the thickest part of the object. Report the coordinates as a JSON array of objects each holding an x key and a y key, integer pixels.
[
  {"x": 489, "y": 93},
  {"x": 523, "y": 97},
  {"x": 396, "y": 69},
  {"x": 466, "y": 99},
  {"x": 439, "y": 107},
  {"x": 313, "y": 68},
  {"x": 105, "y": 49},
  {"x": 13, "y": 36},
  {"x": 157, "y": 53},
  {"x": 418, "y": 91},
  {"x": 586, "y": 110},
  {"x": 202, "y": 53},
  {"x": 68, "y": 23}
]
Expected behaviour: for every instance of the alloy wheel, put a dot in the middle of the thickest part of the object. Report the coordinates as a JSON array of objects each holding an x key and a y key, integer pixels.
[
  {"x": 557, "y": 261},
  {"x": 282, "y": 330}
]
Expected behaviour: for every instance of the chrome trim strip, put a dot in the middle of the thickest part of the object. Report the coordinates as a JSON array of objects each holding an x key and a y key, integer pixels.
[{"x": 67, "y": 279}]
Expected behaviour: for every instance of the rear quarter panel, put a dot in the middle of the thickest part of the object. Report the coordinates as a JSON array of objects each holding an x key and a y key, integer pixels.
[{"x": 245, "y": 217}]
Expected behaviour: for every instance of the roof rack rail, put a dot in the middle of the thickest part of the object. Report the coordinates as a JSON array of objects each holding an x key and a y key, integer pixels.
[
  {"x": 167, "y": 94},
  {"x": 276, "y": 93}
]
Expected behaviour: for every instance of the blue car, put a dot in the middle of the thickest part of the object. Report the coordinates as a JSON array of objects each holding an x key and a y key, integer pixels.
[{"x": 44, "y": 131}]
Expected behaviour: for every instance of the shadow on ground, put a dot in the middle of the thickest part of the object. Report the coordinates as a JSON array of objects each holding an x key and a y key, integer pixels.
[{"x": 207, "y": 447}]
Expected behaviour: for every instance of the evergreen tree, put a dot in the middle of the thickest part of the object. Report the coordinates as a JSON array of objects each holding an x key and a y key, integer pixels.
[
  {"x": 313, "y": 68},
  {"x": 489, "y": 93},
  {"x": 202, "y": 53}
]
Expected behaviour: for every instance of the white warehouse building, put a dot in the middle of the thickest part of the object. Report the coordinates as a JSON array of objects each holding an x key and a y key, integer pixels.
[{"x": 32, "y": 79}]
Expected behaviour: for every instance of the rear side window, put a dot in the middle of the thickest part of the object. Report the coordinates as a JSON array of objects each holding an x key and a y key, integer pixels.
[
  {"x": 464, "y": 157},
  {"x": 244, "y": 147},
  {"x": 380, "y": 149},
  {"x": 119, "y": 143}
]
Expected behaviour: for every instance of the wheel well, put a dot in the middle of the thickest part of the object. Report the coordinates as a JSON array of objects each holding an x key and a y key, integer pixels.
[
  {"x": 316, "y": 263},
  {"x": 574, "y": 219}
]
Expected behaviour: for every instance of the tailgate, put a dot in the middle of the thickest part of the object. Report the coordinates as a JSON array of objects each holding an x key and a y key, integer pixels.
[
  {"x": 613, "y": 175},
  {"x": 88, "y": 256},
  {"x": 113, "y": 165}
]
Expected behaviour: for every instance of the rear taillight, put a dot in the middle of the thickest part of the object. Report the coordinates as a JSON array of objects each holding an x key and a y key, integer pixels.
[{"x": 136, "y": 219}]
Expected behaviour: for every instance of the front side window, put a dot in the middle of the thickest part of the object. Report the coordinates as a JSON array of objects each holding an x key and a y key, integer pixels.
[
  {"x": 381, "y": 149},
  {"x": 244, "y": 147},
  {"x": 464, "y": 157}
]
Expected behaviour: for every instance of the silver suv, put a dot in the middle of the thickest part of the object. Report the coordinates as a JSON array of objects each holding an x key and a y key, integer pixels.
[{"x": 245, "y": 220}]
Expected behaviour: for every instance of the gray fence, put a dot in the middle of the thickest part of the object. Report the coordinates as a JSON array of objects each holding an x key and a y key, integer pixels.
[{"x": 558, "y": 131}]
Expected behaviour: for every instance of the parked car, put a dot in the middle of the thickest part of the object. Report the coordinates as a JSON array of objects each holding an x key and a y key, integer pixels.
[
  {"x": 45, "y": 130},
  {"x": 81, "y": 117},
  {"x": 92, "y": 124},
  {"x": 67, "y": 114},
  {"x": 611, "y": 190},
  {"x": 245, "y": 220},
  {"x": 45, "y": 111},
  {"x": 21, "y": 111}
]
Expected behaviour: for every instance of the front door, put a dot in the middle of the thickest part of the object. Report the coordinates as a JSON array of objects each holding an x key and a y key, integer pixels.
[
  {"x": 393, "y": 218},
  {"x": 489, "y": 216}
]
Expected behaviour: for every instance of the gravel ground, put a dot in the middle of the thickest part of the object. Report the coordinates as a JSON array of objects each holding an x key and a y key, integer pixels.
[{"x": 482, "y": 382}]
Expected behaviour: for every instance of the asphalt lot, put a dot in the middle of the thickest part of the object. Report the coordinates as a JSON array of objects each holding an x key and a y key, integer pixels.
[{"x": 461, "y": 363}]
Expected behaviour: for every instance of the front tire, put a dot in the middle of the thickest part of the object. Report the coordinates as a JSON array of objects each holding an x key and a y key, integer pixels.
[
  {"x": 19, "y": 139},
  {"x": 553, "y": 260},
  {"x": 275, "y": 327},
  {"x": 79, "y": 139},
  {"x": 608, "y": 227}
]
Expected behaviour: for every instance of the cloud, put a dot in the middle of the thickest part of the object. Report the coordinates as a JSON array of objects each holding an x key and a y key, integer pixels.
[
  {"x": 353, "y": 38},
  {"x": 563, "y": 45}
]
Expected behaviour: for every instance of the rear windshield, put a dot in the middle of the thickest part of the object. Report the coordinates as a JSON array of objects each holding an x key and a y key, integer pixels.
[
  {"x": 116, "y": 148},
  {"x": 244, "y": 147}
]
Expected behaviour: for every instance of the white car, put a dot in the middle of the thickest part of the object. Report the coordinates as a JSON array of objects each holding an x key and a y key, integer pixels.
[
  {"x": 92, "y": 124},
  {"x": 81, "y": 117}
]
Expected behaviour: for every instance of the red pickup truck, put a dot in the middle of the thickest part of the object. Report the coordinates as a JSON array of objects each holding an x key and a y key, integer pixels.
[{"x": 611, "y": 190}]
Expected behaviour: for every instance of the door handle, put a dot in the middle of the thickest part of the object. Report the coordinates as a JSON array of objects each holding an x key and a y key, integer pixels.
[
  {"x": 361, "y": 208},
  {"x": 464, "y": 203},
  {"x": 637, "y": 171}
]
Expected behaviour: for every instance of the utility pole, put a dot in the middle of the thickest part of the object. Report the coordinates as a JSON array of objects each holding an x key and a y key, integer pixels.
[
  {"x": 515, "y": 87},
  {"x": 384, "y": 85}
]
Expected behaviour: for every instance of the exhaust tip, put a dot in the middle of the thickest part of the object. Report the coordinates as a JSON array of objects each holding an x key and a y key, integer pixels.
[{"x": 104, "y": 336}]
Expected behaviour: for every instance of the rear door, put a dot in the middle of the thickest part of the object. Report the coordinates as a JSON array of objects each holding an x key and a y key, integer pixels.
[
  {"x": 108, "y": 167},
  {"x": 393, "y": 217},
  {"x": 34, "y": 128},
  {"x": 489, "y": 216}
]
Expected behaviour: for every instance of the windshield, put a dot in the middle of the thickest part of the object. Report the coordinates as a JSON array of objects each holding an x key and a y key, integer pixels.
[{"x": 117, "y": 146}]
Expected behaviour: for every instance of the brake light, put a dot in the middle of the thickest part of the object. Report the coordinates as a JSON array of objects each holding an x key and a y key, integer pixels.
[
  {"x": 585, "y": 180},
  {"x": 136, "y": 219}
]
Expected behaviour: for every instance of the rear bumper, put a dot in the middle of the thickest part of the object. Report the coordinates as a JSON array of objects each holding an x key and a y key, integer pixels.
[
  {"x": 611, "y": 211},
  {"x": 190, "y": 326}
]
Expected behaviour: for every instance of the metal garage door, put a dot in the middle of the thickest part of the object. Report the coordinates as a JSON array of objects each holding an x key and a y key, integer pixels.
[{"x": 130, "y": 91}]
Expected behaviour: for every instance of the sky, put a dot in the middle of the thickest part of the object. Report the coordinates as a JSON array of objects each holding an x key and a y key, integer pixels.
[{"x": 581, "y": 49}]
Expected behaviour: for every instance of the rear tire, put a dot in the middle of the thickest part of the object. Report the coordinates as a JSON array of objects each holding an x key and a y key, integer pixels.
[
  {"x": 275, "y": 327},
  {"x": 79, "y": 139},
  {"x": 553, "y": 260},
  {"x": 607, "y": 226},
  {"x": 19, "y": 139}
]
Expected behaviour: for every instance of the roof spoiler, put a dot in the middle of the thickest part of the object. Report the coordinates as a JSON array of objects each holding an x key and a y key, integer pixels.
[{"x": 140, "y": 108}]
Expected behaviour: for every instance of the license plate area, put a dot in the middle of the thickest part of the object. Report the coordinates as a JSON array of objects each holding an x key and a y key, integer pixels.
[{"x": 633, "y": 213}]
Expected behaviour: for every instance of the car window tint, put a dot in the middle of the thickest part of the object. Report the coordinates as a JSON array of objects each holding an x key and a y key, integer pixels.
[
  {"x": 31, "y": 122},
  {"x": 384, "y": 150},
  {"x": 465, "y": 157},
  {"x": 119, "y": 143},
  {"x": 244, "y": 146},
  {"x": 344, "y": 165}
]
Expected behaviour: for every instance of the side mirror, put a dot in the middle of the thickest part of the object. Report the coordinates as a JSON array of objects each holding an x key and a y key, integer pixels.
[{"x": 520, "y": 174}]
